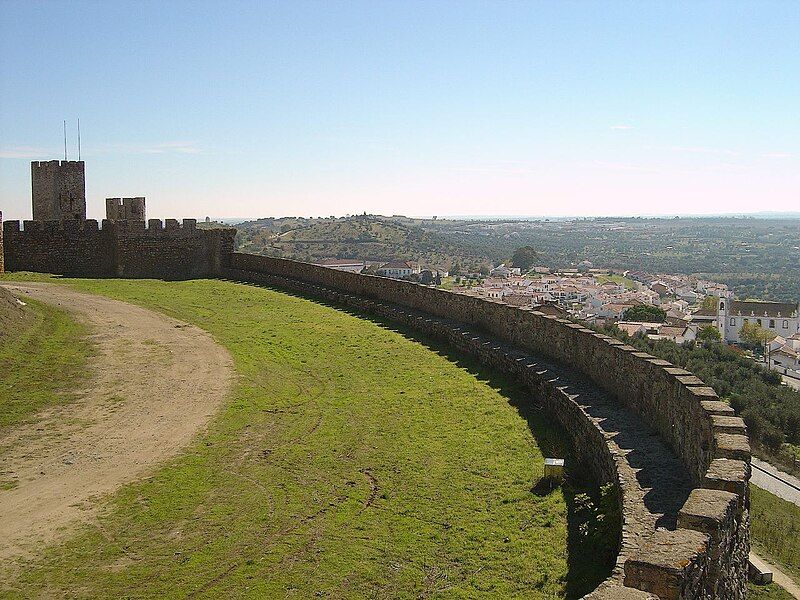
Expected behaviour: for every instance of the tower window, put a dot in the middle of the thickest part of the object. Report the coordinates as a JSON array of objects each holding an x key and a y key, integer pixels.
[{"x": 733, "y": 321}]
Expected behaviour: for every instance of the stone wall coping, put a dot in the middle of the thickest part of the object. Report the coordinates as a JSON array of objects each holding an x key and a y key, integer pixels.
[
  {"x": 708, "y": 510},
  {"x": 729, "y": 445},
  {"x": 662, "y": 561},
  {"x": 717, "y": 407},
  {"x": 728, "y": 424},
  {"x": 728, "y": 475}
]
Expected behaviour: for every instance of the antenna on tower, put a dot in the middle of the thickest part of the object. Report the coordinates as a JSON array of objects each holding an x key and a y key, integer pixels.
[
  {"x": 65, "y": 139},
  {"x": 79, "y": 138}
]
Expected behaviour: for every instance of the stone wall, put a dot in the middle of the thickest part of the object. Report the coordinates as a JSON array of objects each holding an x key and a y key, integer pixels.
[
  {"x": 117, "y": 249},
  {"x": 2, "y": 254},
  {"x": 58, "y": 190},
  {"x": 705, "y": 556}
]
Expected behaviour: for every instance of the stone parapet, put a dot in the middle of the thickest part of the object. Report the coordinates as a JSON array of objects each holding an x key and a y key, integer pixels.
[{"x": 131, "y": 248}]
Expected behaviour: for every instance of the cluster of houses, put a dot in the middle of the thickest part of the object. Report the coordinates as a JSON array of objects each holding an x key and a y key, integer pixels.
[
  {"x": 595, "y": 296},
  {"x": 599, "y": 296}
]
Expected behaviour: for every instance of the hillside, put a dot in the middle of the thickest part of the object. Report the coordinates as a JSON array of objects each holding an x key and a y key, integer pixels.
[
  {"x": 365, "y": 237},
  {"x": 756, "y": 257}
]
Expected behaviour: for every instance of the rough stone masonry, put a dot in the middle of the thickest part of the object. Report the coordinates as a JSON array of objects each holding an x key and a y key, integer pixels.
[{"x": 58, "y": 190}]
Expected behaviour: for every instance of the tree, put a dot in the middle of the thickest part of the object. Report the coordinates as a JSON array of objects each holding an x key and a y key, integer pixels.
[
  {"x": 756, "y": 336},
  {"x": 524, "y": 258},
  {"x": 708, "y": 334},
  {"x": 710, "y": 303},
  {"x": 645, "y": 313}
]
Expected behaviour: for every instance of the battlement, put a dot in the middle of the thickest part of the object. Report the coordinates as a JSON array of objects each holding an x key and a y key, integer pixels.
[
  {"x": 52, "y": 164},
  {"x": 170, "y": 249},
  {"x": 153, "y": 226}
]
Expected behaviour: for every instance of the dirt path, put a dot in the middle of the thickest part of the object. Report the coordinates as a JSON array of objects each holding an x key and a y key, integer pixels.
[{"x": 155, "y": 382}]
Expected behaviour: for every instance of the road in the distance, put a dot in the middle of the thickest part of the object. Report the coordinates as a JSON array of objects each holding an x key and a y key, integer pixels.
[
  {"x": 791, "y": 382},
  {"x": 776, "y": 482}
]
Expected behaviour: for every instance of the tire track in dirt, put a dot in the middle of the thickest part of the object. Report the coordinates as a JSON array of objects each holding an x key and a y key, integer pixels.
[{"x": 155, "y": 382}]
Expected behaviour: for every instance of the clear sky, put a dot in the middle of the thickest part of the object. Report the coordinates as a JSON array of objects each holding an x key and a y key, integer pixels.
[{"x": 247, "y": 109}]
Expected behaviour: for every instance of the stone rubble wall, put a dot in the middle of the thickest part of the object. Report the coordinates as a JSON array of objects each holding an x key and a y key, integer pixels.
[
  {"x": 82, "y": 248},
  {"x": 706, "y": 555}
]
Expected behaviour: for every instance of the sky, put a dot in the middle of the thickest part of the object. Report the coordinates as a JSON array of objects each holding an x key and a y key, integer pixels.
[{"x": 257, "y": 109}]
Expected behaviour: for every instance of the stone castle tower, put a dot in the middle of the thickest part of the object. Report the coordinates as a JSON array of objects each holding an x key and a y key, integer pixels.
[{"x": 59, "y": 190}]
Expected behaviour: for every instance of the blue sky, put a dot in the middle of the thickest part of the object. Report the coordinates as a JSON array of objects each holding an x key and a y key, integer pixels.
[{"x": 420, "y": 108}]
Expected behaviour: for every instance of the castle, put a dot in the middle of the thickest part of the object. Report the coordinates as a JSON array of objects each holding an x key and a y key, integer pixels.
[
  {"x": 61, "y": 240},
  {"x": 676, "y": 456}
]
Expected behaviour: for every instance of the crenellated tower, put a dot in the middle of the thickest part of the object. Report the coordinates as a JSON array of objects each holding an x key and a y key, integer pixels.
[{"x": 58, "y": 190}]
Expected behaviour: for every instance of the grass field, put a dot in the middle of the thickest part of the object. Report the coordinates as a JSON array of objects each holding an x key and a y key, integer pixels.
[
  {"x": 351, "y": 461},
  {"x": 775, "y": 530},
  {"x": 43, "y": 358},
  {"x": 767, "y": 592},
  {"x": 619, "y": 279}
]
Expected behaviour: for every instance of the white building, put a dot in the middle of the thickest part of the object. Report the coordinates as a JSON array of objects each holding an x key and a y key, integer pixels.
[
  {"x": 398, "y": 269},
  {"x": 784, "y": 355},
  {"x": 504, "y": 271},
  {"x": 781, "y": 318},
  {"x": 353, "y": 266}
]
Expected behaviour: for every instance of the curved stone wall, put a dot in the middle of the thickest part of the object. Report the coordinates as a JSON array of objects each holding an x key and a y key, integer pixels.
[{"x": 679, "y": 457}]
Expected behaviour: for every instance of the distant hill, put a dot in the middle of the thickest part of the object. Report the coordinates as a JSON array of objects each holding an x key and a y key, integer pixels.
[
  {"x": 756, "y": 257},
  {"x": 365, "y": 237}
]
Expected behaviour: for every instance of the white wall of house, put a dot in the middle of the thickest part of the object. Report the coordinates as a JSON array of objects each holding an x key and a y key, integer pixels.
[{"x": 731, "y": 324}]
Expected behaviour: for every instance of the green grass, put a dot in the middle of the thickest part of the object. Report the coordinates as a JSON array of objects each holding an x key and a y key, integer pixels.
[
  {"x": 41, "y": 363},
  {"x": 775, "y": 530},
  {"x": 350, "y": 461},
  {"x": 619, "y": 279},
  {"x": 767, "y": 592}
]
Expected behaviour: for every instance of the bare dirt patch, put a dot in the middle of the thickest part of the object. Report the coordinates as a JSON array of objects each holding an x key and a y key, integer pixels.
[
  {"x": 155, "y": 382},
  {"x": 12, "y": 313}
]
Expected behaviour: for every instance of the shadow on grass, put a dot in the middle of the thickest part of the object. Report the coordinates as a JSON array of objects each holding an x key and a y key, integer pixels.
[{"x": 591, "y": 544}]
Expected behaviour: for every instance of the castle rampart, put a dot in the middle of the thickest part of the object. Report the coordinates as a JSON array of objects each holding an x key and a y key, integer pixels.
[
  {"x": 117, "y": 248},
  {"x": 677, "y": 456},
  {"x": 695, "y": 548}
]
